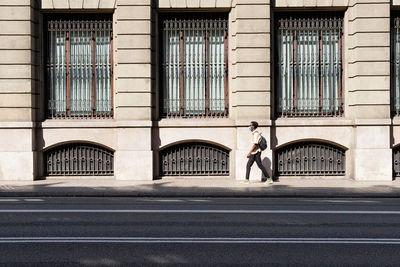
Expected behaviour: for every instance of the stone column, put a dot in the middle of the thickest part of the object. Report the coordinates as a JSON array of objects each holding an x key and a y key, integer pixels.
[
  {"x": 251, "y": 76},
  {"x": 133, "y": 91},
  {"x": 18, "y": 85},
  {"x": 368, "y": 85}
]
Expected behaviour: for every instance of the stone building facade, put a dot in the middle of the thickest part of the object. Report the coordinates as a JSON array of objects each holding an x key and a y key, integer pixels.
[{"x": 249, "y": 55}]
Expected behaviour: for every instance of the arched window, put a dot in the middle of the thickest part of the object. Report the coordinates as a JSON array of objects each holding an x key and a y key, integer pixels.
[
  {"x": 78, "y": 159},
  {"x": 194, "y": 158},
  {"x": 310, "y": 158}
]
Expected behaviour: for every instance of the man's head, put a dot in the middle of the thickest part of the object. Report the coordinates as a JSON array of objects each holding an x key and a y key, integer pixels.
[{"x": 253, "y": 125}]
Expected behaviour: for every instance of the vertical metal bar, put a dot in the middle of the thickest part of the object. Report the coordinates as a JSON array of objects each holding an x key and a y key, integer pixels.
[
  {"x": 112, "y": 73},
  {"x": 226, "y": 74},
  {"x": 182, "y": 106},
  {"x": 295, "y": 71},
  {"x": 67, "y": 49},
  {"x": 207, "y": 70},
  {"x": 93, "y": 45},
  {"x": 320, "y": 70}
]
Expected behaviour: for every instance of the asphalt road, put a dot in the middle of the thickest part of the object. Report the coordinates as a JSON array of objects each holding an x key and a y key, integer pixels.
[{"x": 199, "y": 232}]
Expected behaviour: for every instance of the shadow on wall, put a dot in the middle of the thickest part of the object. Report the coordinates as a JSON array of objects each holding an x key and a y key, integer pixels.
[{"x": 266, "y": 162}]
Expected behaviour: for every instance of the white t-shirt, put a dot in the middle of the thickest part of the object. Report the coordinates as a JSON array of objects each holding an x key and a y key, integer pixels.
[{"x": 255, "y": 139}]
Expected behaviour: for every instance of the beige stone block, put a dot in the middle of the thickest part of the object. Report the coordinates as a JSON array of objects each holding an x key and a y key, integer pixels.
[
  {"x": 295, "y": 3},
  {"x": 372, "y": 137},
  {"x": 134, "y": 41},
  {"x": 193, "y": 3},
  {"x": 15, "y": 27},
  {"x": 47, "y": 4},
  {"x": 250, "y": 2},
  {"x": 133, "y": 165},
  {"x": 370, "y": 11},
  {"x": 178, "y": 3},
  {"x": 15, "y": 100},
  {"x": 107, "y": 4},
  {"x": 15, "y": 57},
  {"x": 223, "y": 3},
  {"x": 253, "y": 26},
  {"x": 340, "y": 3},
  {"x": 133, "y": 85},
  {"x": 15, "y": 71},
  {"x": 132, "y": 113},
  {"x": 134, "y": 70},
  {"x": 369, "y": 54},
  {"x": 15, "y": 140},
  {"x": 339, "y": 136},
  {"x": 76, "y": 4},
  {"x": 133, "y": 2},
  {"x": 127, "y": 135},
  {"x": 253, "y": 83},
  {"x": 373, "y": 164},
  {"x": 136, "y": 99},
  {"x": 91, "y": 3},
  {"x": 133, "y": 27},
  {"x": 281, "y": 3},
  {"x": 15, "y": 42},
  {"x": 58, "y": 135},
  {"x": 369, "y": 68},
  {"x": 224, "y": 137},
  {"x": 253, "y": 69},
  {"x": 253, "y": 112},
  {"x": 134, "y": 12},
  {"x": 15, "y": 85},
  {"x": 16, "y": 2},
  {"x": 369, "y": 25},
  {"x": 251, "y": 55},
  {"x": 208, "y": 3},
  {"x": 15, "y": 114},
  {"x": 164, "y": 4},
  {"x": 253, "y": 98},
  {"x": 253, "y": 12},
  {"x": 324, "y": 3},
  {"x": 376, "y": 39},
  {"x": 17, "y": 166},
  {"x": 370, "y": 111},
  {"x": 61, "y": 4},
  {"x": 310, "y": 3},
  {"x": 15, "y": 12},
  {"x": 369, "y": 83},
  {"x": 134, "y": 56},
  {"x": 253, "y": 40},
  {"x": 369, "y": 98},
  {"x": 396, "y": 3}
]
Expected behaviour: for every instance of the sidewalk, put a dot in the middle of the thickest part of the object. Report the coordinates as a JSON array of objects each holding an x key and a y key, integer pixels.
[{"x": 212, "y": 187}]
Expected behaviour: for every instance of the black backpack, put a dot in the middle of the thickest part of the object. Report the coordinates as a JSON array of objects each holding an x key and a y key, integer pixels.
[{"x": 263, "y": 143}]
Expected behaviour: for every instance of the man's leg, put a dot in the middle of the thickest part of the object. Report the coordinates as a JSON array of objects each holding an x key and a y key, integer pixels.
[
  {"x": 250, "y": 163},
  {"x": 259, "y": 164}
]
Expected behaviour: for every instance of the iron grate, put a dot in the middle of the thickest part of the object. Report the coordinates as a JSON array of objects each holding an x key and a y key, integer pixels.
[
  {"x": 194, "y": 159},
  {"x": 79, "y": 159},
  {"x": 396, "y": 162},
  {"x": 310, "y": 158}
]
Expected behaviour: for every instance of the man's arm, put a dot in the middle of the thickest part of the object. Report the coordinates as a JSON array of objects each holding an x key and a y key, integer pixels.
[{"x": 253, "y": 148}]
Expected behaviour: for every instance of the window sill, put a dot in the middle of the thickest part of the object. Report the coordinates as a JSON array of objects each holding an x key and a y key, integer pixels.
[
  {"x": 198, "y": 122},
  {"x": 313, "y": 122}
]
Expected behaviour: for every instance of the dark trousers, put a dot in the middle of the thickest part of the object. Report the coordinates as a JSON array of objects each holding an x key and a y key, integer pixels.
[{"x": 257, "y": 158}]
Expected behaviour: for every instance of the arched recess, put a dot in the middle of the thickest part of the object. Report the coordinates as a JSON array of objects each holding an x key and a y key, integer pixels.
[
  {"x": 396, "y": 160},
  {"x": 310, "y": 158},
  {"x": 194, "y": 159},
  {"x": 78, "y": 159}
]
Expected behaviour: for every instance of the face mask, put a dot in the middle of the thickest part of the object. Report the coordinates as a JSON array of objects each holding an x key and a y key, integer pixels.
[{"x": 250, "y": 129}]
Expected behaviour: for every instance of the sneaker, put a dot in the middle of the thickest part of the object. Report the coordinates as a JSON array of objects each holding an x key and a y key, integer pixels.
[
  {"x": 269, "y": 180},
  {"x": 245, "y": 181}
]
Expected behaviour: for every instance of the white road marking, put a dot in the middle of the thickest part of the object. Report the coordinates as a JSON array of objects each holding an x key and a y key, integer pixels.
[
  {"x": 341, "y": 201},
  {"x": 33, "y": 200},
  {"x": 9, "y": 200},
  {"x": 208, "y": 240},
  {"x": 352, "y": 212}
]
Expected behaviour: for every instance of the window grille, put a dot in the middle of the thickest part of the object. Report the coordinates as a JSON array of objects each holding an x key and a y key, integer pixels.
[
  {"x": 309, "y": 67},
  {"x": 310, "y": 158},
  {"x": 79, "y": 68},
  {"x": 195, "y": 67},
  {"x": 395, "y": 92},
  {"x": 396, "y": 161},
  {"x": 192, "y": 159},
  {"x": 79, "y": 159}
]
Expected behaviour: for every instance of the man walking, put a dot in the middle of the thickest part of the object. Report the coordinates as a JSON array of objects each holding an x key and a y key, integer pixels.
[{"x": 255, "y": 153}]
